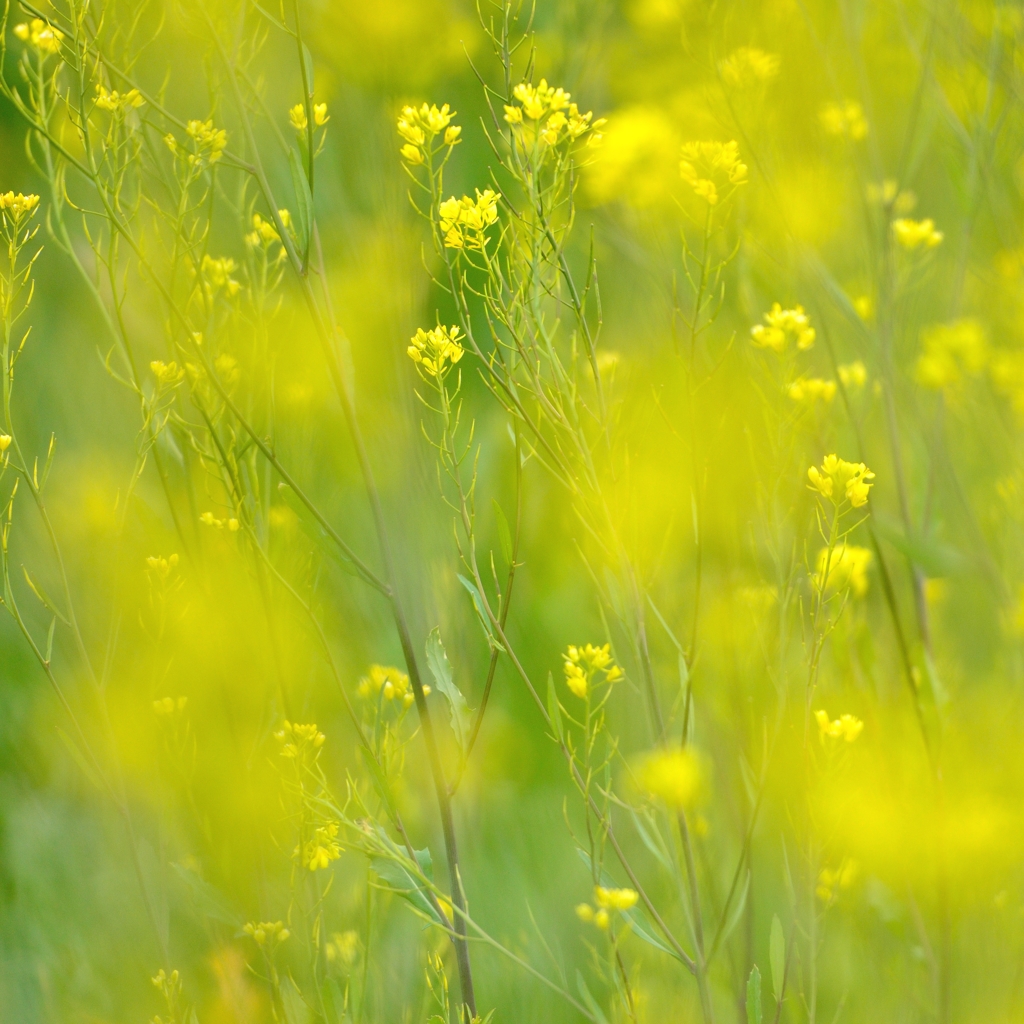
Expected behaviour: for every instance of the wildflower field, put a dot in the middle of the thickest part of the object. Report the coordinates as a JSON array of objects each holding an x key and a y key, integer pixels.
[{"x": 512, "y": 512}]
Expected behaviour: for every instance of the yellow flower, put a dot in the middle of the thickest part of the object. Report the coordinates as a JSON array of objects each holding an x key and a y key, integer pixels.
[
  {"x": 840, "y": 480},
  {"x": 831, "y": 881},
  {"x": 853, "y": 375},
  {"x": 950, "y": 352},
  {"x": 419, "y": 126},
  {"x": 322, "y": 848},
  {"x": 782, "y": 324},
  {"x": 210, "y": 141},
  {"x": 749, "y": 66},
  {"x": 585, "y": 912},
  {"x": 914, "y": 234},
  {"x": 845, "y": 727},
  {"x": 811, "y": 389},
  {"x": 536, "y": 101},
  {"x": 582, "y": 665},
  {"x": 847, "y": 567},
  {"x": 708, "y": 166},
  {"x": 389, "y": 681},
  {"x": 844, "y": 120},
  {"x": 320, "y": 115},
  {"x": 297, "y": 116},
  {"x": 115, "y": 102},
  {"x": 45, "y": 38},
  {"x": 601, "y": 919},
  {"x": 218, "y": 273},
  {"x": 434, "y": 350},
  {"x": 464, "y": 221},
  {"x": 5, "y": 442},
  {"x": 167, "y": 374},
  {"x": 672, "y": 776},
  {"x": 266, "y": 931},
  {"x": 615, "y": 899},
  {"x": 162, "y": 566},
  {"x": 18, "y": 205}
]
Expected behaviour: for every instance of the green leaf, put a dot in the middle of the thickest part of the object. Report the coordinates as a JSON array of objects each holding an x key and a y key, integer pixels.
[
  {"x": 504, "y": 535},
  {"x": 295, "y": 1009},
  {"x": 777, "y": 956},
  {"x": 589, "y": 1000},
  {"x": 208, "y": 900},
  {"x": 441, "y": 670},
  {"x": 754, "y": 1013},
  {"x": 307, "y": 60},
  {"x": 737, "y": 912},
  {"x": 554, "y": 708},
  {"x": 481, "y": 614},
  {"x": 391, "y": 868},
  {"x": 303, "y": 199}
]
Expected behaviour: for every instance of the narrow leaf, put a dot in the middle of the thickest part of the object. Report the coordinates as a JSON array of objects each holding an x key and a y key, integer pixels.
[
  {"x": 777, "y": 955},
  {"x": 504, "y": 535},
  {"x": 589, "y": 1000},
  {"x": 441, "y": 670},
  {"x": 303, "y": 199},
  {"x": 754, "y": 1014},
  {"x": 481, "y": 614}
]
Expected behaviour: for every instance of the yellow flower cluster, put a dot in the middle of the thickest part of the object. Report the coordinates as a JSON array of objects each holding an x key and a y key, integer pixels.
[
  {"x": 319, "y": 851},
  {"x": 563, "y": 117},
  {"x": 853, "y": 375},
  {"x": 167, "y": 706},
  {"x": 168, "y": 984},
  {"x": 167, "y": 374},
  {"x": 209, "y": 519},
  {"x": 709, "y": 166},
  {"x": 844, "y": 120},
  {"x": 464, "y": 221},
  {"x": 297, "y": 116},
  {"x": 845, "y": 727},
  {"x": 812, "y": 389},
  {"x": 263, "y": 232},
  {"x": 300, "y": 740},
  {"x": 343, "y": 947},
  {"x": 951, "y": 351},
  {"x": 209, "y": 141},
  {"x": 434, "y": 350},
  {"x": 420, "y": 126},
  {"x": 582, "y": 665},
  {"x": 45, "y": 38},
  {"x": 607, "y": 899},
  {"x": 218, "y": 273},
  {"x": 265, "y": 932},
  {"x": 672, "y": 776},
  {"x": 161, "y": 566},
  {"x": 749, "y": 66},
  {"x": 841, "y": 481},
  {"x": 848, "y": 567},
  {"x": 115, "y": 102},
  {"x": 19, "y": 205},
  {"x": 830, "y": 880},
  {"x": 916, "y": 234},
  {"x": 390, "y": 682},
  {"x": 782, "y": 324}
]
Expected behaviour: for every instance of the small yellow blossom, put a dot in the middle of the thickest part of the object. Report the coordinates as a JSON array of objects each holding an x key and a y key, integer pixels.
[
  {"x": 536, "y": 101},
  {"x": 45, "y": 38},
  {"x": 266, "y": 931},
  {"x": 115, "y": 101},
  {"x": 419, "y": 126},
  {"x": 167, "y": 374},
  {"x": 435, "y": 349},
  {"x": 841, "y": 481},
  {"x": 585, "y": 912},
  {"x": 464, "y": 221},
  {"x": 830, "y": 881},
  {"x": 847, "y": 567},
  {"x": 209, "y": 519},
  {"x": 18, "y": 206},
  {"x": 782, "y": 324},
  {"x": 320, "y": 115},
  {"x": 167, "y": 706},
  {"x": 343, "y": 948},
  {"x": 300, "y": 741},
  {"x": 391, "y": 683},
  {"x": 217, "y": 273},
  {"x": 749, "y": 66},
  {"x": 672, "y": 776},
  {"x": 709, "y": 166},
  {"x": 5, "y": 442},
  {"x": 582, "y": 665},
  {"x": 162, "y": 566},
  {"x": 844, "y": 120},
  {"x": 915, "y": 234},
  {"x": 853, "y": 375},
  {"x": 263, "y": 232},
  {"x": 319, "y": 851},
  {"x": 211, "y": 142},
  {"x": 845, "y": 727},
  {"x": 297, "y": 116},
  {"x": 615, "y": 899},
  {"x": 812, "y": 389}
]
